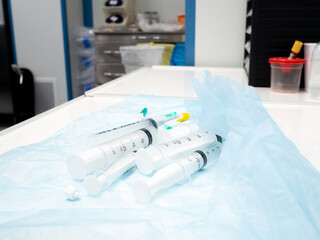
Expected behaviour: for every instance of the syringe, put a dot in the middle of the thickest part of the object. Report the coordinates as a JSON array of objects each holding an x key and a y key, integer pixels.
[
  {"x": 103, "y": 155},
  {"x": 176, "y": 172},
  {"x": 156, "y": 121},
  {"x": 103, "y": 178},
  {"x": 156, "y": 157},
  {"x": 178, "y": 131},
  {"x": 100, "y": 179}
]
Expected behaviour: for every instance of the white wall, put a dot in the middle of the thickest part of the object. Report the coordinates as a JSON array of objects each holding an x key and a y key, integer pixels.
[
  {"x": 220, "y": 32},
  {"x": 39, "y": 40},
  {"x": 97, "y": 13},
  {"x": 167, "y": 9}
]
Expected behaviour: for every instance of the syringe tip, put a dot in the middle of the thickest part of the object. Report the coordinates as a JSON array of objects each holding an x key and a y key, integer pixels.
[
  {"x": 141, "y": 191},
  {"x": 92, "y": 185}
]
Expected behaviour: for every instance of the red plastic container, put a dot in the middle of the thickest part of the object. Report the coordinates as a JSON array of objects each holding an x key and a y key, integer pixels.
[{"x": 286, "y": 74}]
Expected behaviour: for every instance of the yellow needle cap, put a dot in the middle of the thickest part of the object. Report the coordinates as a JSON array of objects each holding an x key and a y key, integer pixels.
[
  {"x": 296, "y": 46},
  {"x": 185, "y": 116}
]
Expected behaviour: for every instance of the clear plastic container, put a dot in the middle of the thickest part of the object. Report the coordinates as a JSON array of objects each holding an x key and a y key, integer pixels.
[
  {"x": 137, "y": 56},
  {"x": 130, "y": 68},
  {"x": 167, "y": 53},
  {"x": 314, "y": 78},
  {"x": 286, "y": 74}
]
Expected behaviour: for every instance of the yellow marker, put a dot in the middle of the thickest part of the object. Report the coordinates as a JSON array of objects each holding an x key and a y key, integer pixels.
[
  {"x": 185, "y": 116},
  {"x": 295, "y": 49}
]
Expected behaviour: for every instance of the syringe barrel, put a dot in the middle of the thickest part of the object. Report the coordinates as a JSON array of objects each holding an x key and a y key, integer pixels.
[
  {"x": 120, "y": 147},
  {"x": 156, "y": 157},
  {"x": 179, "y": 131},
  {"x": 176, "y": 171},
  {"x": 80, "y": 165},
  {"x": 200, "y": 158},
  {"x": 107, "y": 135},
  {"x": 117, "y": 169}
]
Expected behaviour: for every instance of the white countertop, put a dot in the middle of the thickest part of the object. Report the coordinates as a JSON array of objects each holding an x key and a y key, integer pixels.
[
  {"x": 164, "y": 81},
  {"x": 296, "y": 114}
]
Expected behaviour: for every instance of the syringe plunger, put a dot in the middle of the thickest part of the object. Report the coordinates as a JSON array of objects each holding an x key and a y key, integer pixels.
[
  {"x": 100, "y": 179},
  {"x": 80, "y": 165}
]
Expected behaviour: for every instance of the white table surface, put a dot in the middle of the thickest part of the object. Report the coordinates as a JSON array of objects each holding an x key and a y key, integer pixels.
[
  {"x": 164, "y": 81},
  {"x": 296, "y": 114}
]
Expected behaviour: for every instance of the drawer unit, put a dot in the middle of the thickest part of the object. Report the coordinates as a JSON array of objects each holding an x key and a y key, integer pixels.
[
  {"x": 106, "y": 72},
  {"x": 107, "y": 49},
  {"x": 140, "y": 37},
  {"x": 108, "y": 52}
]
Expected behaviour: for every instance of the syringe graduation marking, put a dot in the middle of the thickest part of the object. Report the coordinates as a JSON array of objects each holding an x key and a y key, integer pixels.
[
  {"x": 204, "y": 157},
  {"x": 110, "y": 130},
  {"x": 153, "y": 122},
  {"x": 122, "y": 144},
  {"x": 148, "y": 135}
]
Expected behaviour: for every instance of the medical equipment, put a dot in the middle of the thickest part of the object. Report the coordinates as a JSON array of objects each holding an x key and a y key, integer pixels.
[
  {"x": 261, "y": 187},
  {"x": 143, "y": 113},
  {"x": 156, "y": 121},
  {"x": 295, "y": 49},
  {"x": 80, "y": 165},
  {"x": 286, "y": 74},
  {"x": 100, "y": 179},
  {"x": 71, "y": 193},
  {"x": 176, "y": 172},
  {"x": 103, "y": 178},
  {"x": 178, "y": 131},
  {"x": 156, "y": 157}
]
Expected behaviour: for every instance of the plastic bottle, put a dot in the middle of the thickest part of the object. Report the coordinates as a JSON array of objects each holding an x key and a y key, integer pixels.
[{"x": 314, "y": 80}]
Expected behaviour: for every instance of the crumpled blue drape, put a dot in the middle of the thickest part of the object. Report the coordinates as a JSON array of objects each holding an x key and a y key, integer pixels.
[
  {"x": 274, "y": 191},
  {"x": 261, "y": 187}
]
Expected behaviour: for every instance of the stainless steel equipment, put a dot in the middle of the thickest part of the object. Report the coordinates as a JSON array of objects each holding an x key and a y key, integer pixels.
[{"x": 107, "y": 44}]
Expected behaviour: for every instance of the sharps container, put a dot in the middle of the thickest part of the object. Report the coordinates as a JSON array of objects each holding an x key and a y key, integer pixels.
[{"x": 286, "y": 74}]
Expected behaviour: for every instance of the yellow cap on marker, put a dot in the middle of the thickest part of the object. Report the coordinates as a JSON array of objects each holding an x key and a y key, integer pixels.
[
  {"x": 185, "y": 116},
  {"x": 296, "y": 46}
]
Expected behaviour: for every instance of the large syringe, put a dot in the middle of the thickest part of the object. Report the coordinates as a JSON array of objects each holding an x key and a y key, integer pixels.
[
  {"x": 103, "y": 155},
  {"x": 156, "y": 121},
  {"x": 103, "y": 178},
  {"x": 156, "y": 157},
  {"x": 176, "y": 172}
]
